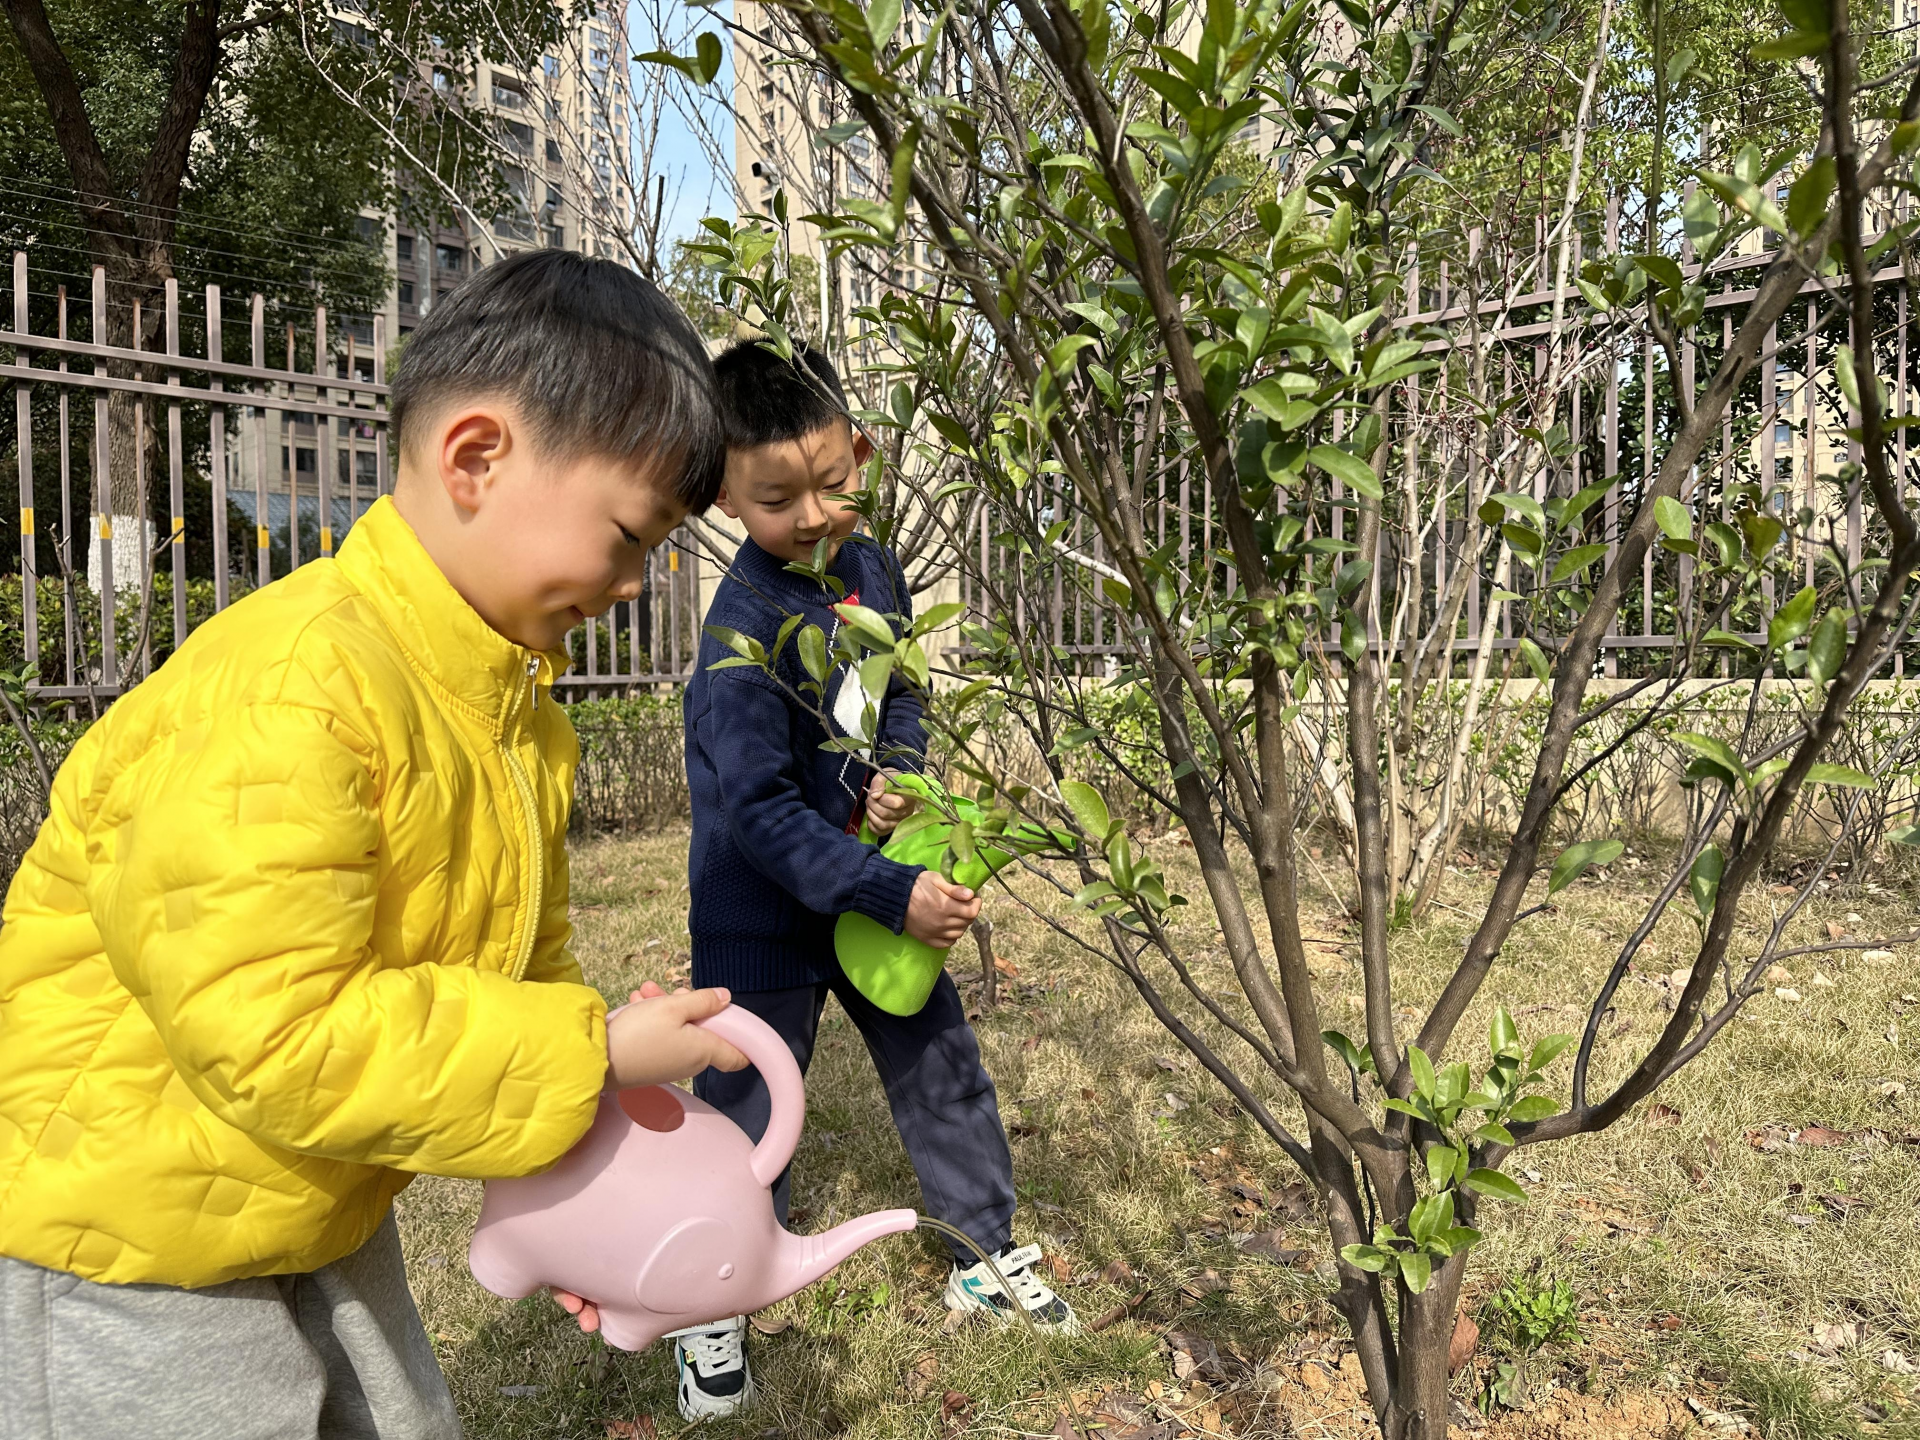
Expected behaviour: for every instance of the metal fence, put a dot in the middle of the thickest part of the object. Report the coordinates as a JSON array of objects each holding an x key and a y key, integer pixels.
[
  {"x": 1786, "y": 431},
  {"x": 264, "y": 466}
]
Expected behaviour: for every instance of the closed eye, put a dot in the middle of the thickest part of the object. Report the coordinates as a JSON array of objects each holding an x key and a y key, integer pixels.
[{"x": 628, "y": 535}]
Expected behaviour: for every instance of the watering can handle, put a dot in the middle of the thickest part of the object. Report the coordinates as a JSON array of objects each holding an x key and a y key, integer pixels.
[{"x": 759, "y": 1042}]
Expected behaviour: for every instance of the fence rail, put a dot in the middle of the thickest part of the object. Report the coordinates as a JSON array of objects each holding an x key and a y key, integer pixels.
[{"x": 265, "y": 467}]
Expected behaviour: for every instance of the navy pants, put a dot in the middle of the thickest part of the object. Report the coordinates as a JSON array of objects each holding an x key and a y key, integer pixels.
[{"x": 943, "y": 1103}]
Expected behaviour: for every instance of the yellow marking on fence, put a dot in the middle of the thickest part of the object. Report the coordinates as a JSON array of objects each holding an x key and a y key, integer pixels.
[
  {"x": 326, "y": 540},
  {"x": 179, "y": 528},
  {"x": 673, "y": 562},
  {"x": 266, "y": 540},
  {"x": 106, "y": 528},
  {"x": 26, "y": 520}
]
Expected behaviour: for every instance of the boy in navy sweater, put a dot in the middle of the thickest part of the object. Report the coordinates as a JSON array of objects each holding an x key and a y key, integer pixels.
[{"x": 775, "y": 858}]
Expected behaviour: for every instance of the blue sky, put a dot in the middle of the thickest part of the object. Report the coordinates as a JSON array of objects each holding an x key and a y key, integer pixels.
[{"x": 693, "y": 190}]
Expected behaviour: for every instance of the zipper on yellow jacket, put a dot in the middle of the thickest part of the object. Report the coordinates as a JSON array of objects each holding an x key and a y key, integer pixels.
[{"x": 536, "y": 867}]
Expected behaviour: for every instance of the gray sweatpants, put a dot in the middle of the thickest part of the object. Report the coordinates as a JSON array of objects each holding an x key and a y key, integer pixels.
[{"x": 338, "y": 1354}]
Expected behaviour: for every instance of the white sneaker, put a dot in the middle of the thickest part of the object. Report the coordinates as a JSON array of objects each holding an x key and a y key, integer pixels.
[
  {"x": 712, "y": 1361},
  {"x": 974, "y": 1288}
]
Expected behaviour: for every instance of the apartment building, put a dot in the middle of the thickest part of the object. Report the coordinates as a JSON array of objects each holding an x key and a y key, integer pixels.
[{"x": 560, "y": 125}]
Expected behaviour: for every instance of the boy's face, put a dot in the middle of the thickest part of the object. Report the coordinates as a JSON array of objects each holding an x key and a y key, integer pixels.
[
  {"x": 792, "y": 494},
  {"x": 535, "y": 544}
]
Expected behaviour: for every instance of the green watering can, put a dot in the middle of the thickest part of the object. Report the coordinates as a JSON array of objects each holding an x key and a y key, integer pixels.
[{"x": 897, "y": 972}]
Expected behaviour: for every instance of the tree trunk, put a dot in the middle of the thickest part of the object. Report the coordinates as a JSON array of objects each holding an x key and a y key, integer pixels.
[{"x": 1420, "y": 1404}]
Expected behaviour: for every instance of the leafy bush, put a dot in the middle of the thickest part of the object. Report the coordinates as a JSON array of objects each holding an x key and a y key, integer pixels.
[{"x": 633, "y": 770}]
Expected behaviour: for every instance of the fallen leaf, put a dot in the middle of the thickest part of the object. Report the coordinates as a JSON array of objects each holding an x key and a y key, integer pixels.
[
  {"x": 1207, "y": 1282},
  {"x": 1466, "y": 1339},
  {"x": 1006, "y": 967},
  {"x": 1660, "y": 1115},
  {"x": 519, "y": 1392},
  {"x": 1779, "y": 975},
  {"x": 770, "y": 1325},
  {"x": 954, "y": 1403},
  {"x": 953, "y": 1320},
  {"x": 1089, "y": 1095},
  {"x": 1061, "y": 1271},
  {"x": 1832, "y": 1339},
  {"x": 1842, "y": 1207},
  {"x": 1835, "y": 930},
  {"x": 641, "y": 1427},
  {"x": 1114, "y": 1316},
  {"x": 1117, "y": 1272},
  {"x": 1783, "y": 890},
  {"x": 1030, "y": 1044},
  {"x": 1293, "y": 1200},
  {"x": 1666, "y": 1322},
  {"x": 920, "y": 1379},
  {"x": 1167, "y": 1062},
  {"x": 1898, "y": 1364},
  {"x": 1820, "y": 1135},
  {"x": 1789, "y": 995},
  {"x": 1272, "y": 1245},
  {"x": 1693, "y": 1170},
  {"x": 1194, "y": 1355},
  {"x": 1769, "y": 1139},
  {"x": 1876, "y": 957}
]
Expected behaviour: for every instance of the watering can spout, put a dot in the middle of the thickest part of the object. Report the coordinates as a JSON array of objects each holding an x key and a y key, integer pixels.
[{"x": 815, "y": 1255}]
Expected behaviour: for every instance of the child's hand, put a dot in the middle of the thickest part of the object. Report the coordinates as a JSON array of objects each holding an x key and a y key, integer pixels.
[
  {"x": 939, "y": 912},
  {"x": 887, "y": 808},
  {"x": 656, "y": 1040}
]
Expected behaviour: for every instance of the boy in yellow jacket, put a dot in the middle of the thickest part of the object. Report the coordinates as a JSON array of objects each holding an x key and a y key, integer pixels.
[{"x": 275, "y": 950}]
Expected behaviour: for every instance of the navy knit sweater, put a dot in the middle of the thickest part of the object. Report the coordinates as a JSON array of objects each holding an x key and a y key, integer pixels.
[{"x": 773, "y": 860}]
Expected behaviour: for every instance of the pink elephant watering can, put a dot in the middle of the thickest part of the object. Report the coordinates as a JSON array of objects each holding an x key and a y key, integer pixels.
[{"x": 662, "y": 1215}]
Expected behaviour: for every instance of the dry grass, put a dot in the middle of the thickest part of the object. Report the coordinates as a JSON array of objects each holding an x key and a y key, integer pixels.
[{"x": 1679, "y": 1237}]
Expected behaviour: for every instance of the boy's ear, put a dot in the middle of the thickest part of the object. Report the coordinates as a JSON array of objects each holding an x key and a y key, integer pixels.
[
  {"x": 862, "y": 448},
  {"x": 472, "y": 445},
  {"x": 725, "y": 502}
]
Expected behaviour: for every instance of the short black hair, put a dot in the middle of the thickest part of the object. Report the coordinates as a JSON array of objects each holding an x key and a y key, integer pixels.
[
  {"x": 764, "y": 400},
  {"x": 597, "y": 360}
]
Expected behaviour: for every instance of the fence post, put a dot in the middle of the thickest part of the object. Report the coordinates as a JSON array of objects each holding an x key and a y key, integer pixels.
[
  {"x": 176, "y": 480},
  {"x": 103, "y": 493},
  {"x": 262, "y": 536},
  {"x": 323, "y": 430},
  {"x": 217, "y": 455},
  {"x": 23, "y": 423}
]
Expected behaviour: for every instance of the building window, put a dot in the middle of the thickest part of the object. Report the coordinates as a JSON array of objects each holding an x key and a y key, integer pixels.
[
  {"x": 403, "y": 247},
  {"x": 550, "y": 64},
  {"x": 508, "y": 95},
  {"x": 553, "y": 151},
  {"x": 451, "y": 257},
  {"x": 1783, "y": 434},
  {"x": 519, "y": 137},
  {"x": 406, "y": 292}
]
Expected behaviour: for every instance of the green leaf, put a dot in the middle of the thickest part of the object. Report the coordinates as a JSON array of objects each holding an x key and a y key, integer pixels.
[
  {"x": 813, "y": 652},
  {"x": 1789, "y": 47},
  {"x": 1703, "y": 881},
  {"x": 1358, "y": 1060},
  {"x": 876, "y": 673},
  {"x": 1344, "y": 465},
  {"x": 1791, "y": 620},
  {"x": 1574, "y": 860},
  {"x": 1501, "y": 1034},
  {"x": 1841, "y": 775},
  {"x": 1807, "y": 200},
  {"x": 1088, "y": 808},
  {"x": 883, "y": 18},
  {"x": 1417, "y": 1270},
  {"x": 1718, "y": 753},
  {"x": 1431, "y": 1215},
  {"x": 1546, "y": 1050},
  {"x": 1904, "y": 835},
  {"x": 1673, "y": 518},
  {"x": 871, "y": 624},
  {"x": 1493, "y": 1183},
  {"x": 1843, "y": 372},
  {"x": 1442, "y": 1160},
  {"x": 1494, "y": 1133},
  {"x": 1535, "y": 657},
  {"x": 1529, "y": 1108},
  {"x": 1368, "y": 1257},
  {"x": 1827, "y": 650},
  {"x": 1575, "y": 560},
  {"x": 1422, "y": 1069},
  {"x": 937, "y": 616}
]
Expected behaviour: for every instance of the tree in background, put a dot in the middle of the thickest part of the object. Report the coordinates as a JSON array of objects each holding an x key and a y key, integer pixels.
[{"x": 1235, "y": 430}]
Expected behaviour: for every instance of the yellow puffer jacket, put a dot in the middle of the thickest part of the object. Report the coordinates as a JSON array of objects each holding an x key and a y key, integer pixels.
[{"x": 264, "y": 961}]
